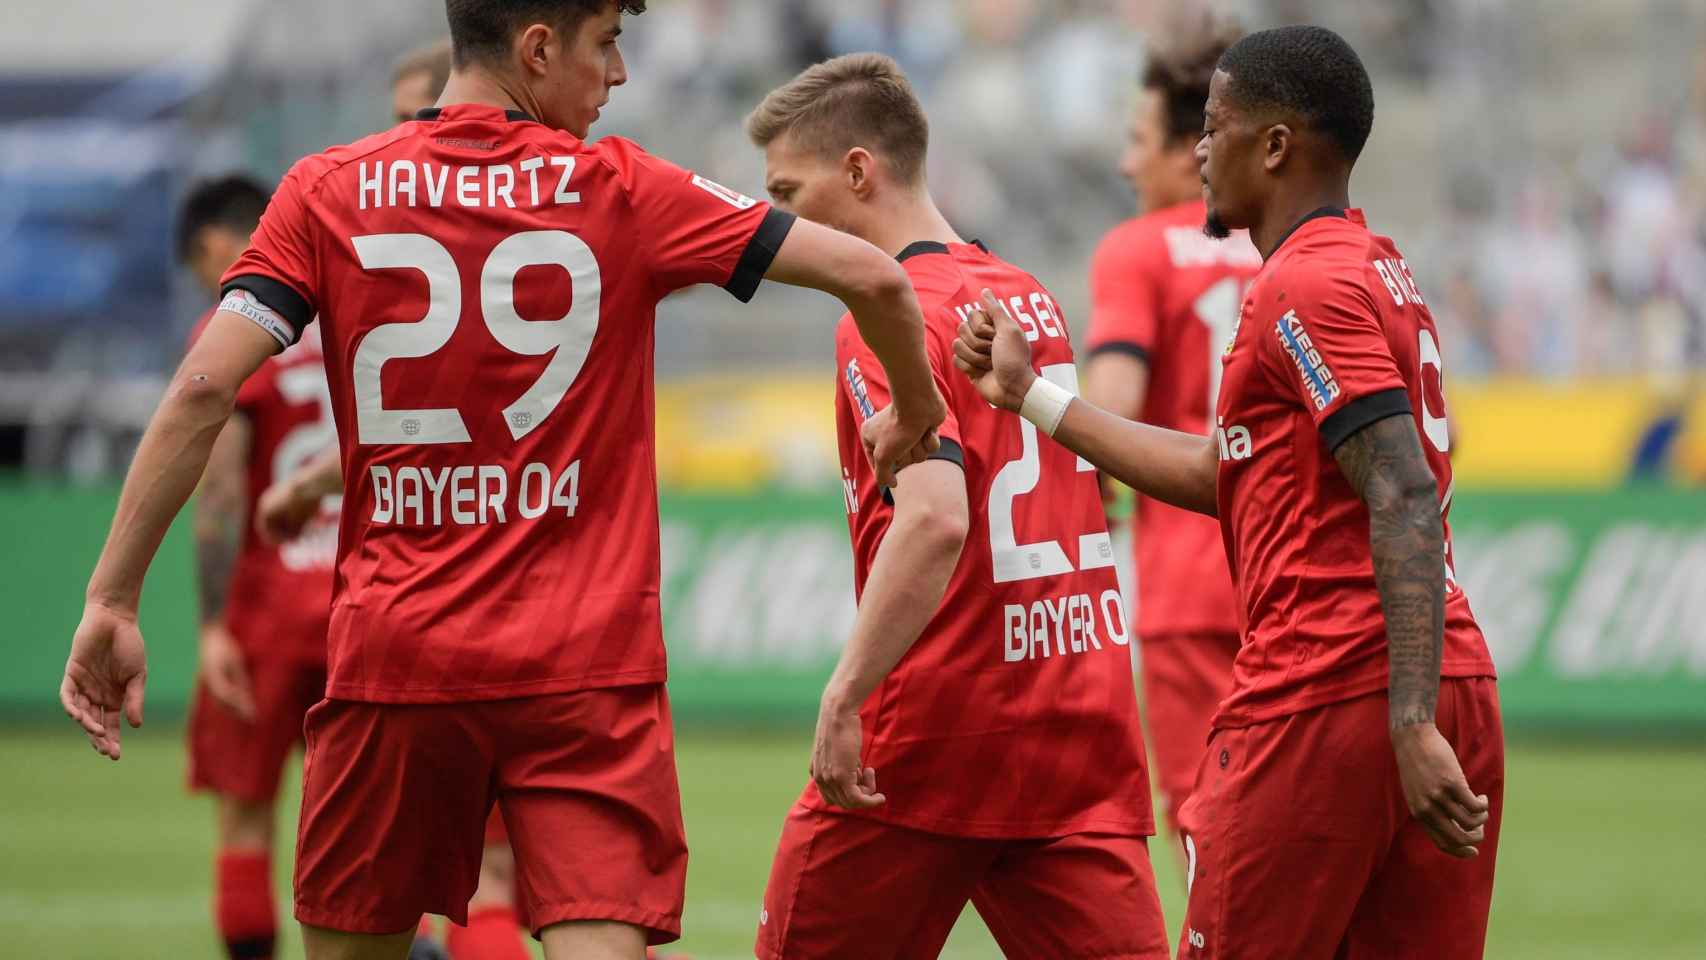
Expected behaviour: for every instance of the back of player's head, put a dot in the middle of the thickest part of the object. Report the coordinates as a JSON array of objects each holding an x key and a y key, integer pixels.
[
  {"x": 433, "y": 59},
  {"x": 234, "y": 202},
  {"x": 1309, "y": 71},
  {"x": 481, "y": 30},
  {"x": 1179, "y": 68},
  {"x": 858, "y": 100}
]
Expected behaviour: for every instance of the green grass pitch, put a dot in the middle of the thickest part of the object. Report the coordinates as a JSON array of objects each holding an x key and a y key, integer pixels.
[{"x": 1604, "y": 850}]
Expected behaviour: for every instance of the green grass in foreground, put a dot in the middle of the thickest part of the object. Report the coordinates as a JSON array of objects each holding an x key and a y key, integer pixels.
[{"x": 1601, "y": 858}]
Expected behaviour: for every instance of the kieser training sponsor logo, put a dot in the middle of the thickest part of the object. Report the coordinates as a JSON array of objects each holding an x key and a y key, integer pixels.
[
  {"x": 1317, "y": 378},
  {"x": 856, "y": 384}
]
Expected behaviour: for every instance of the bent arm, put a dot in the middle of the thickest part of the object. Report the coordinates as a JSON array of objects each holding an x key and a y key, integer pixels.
[
  {"x": 1385, "y": 465},
  {"x": 173, "y": 452},
  {"x": 908, "y": 578},
  {"x": 219, "y": 512},
  {"x": 878, "y": 293}
]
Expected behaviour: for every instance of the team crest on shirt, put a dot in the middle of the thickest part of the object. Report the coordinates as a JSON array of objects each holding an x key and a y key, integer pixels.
[
  {"x": 739, "y": 201},
  {"x": 1318, "y": 378},
  {"x": 1233, "y": 337},
  {"x": 856, "y": 386}
]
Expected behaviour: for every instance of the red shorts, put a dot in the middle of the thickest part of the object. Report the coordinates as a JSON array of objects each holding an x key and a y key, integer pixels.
[
  {"x": 235, "y": 758},
  {"x": 851, "y": 887},
  {"x": 1184, "y": 678},
  {"x": 1302, "y": 845},
  {"x": 497, "y": 835},
  {"x": 585, "y": 781}
]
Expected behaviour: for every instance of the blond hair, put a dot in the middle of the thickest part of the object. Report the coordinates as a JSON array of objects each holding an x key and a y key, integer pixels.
[
  {"x": 432, "y": 59},
  {"x": 857, "y": 100}
]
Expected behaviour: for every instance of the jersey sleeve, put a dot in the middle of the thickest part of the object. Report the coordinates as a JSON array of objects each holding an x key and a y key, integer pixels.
[
  {"x": 696, "y": 230},
  {"x": 1329, "y": 349},
  {"x": 274, "y": 278},
  {"x": 1125, "y": 300},
  {"x": 866, "y": 386}
]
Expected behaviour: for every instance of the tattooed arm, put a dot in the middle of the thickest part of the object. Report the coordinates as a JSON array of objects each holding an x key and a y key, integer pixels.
[
  {"x": 1384, "y": 463},
  {"x": 220, "y": 510}
]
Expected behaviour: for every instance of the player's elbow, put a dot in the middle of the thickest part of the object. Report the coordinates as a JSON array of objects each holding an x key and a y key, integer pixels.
[
  {"x": 878, "y": 280},
  {"x": 937, "y": 526},
  {"x": 201, "y": 399}
]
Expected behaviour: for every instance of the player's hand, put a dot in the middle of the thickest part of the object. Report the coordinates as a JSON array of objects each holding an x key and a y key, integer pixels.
[
  {"x": 282, "y": 511},
  {"x": 225, "y": 671},
  {"x": 893, "y": 442},
  {"x": 1434, "y": 787},
  {"x": 836, "y": 767},
  {"x": 104, "y": 675},
  {"x": 993, "y": 352}
]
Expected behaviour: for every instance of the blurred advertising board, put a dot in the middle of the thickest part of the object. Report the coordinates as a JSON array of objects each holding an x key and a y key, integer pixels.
[{"x": 1594, "y": 601}]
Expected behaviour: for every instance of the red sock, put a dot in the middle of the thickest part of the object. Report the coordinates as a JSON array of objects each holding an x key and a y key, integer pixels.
[
  {"x": 242, "y": 904},
  {"x": 492, "y": 933}
]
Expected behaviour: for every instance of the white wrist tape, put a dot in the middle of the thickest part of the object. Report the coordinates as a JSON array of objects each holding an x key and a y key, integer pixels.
[{"x": 1045, "y": 403}]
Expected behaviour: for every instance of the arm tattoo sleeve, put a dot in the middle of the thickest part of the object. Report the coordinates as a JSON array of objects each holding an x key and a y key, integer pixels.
[{"x": 1384, "y": 464}]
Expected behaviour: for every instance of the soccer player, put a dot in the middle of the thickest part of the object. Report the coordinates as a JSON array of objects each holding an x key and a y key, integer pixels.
[
  {"x": 1164, "y": 299},
  {"x": 979, "y": 738},
  {"x": 485, "y": 281},
  {"x": 263, "y": 607},
  {"x": 1349, "y": 802}
]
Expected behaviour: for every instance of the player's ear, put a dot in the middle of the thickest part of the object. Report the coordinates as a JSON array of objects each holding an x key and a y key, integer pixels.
[
  {"x": 858, "y": 166},
  {"x": 1276, "y": 146},
  {"x": 536, "y": 47}
]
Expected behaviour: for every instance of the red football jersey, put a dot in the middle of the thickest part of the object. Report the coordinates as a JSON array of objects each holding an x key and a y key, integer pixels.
[
  {"x": 1164, "y": 292},
  {"x": 1333, "y": 336},
  {"x": 487, "y": 286},
  {"x": 281, "y": 596},
  {"x": 1014, "y": 714}
]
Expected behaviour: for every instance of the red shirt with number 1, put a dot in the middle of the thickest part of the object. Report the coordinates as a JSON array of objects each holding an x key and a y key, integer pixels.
[{"x": 486, "y": 286}]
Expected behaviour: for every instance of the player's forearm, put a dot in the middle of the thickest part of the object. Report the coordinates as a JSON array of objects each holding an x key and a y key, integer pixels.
[
  {"x": 1174, "y": 467},
  {"x": 1406, "y": 537},
  {"x": 892, "y": 325},
  {"x": 907, "y": 581},
  {"x": 320, "y": 477},
  {"x": 170, "y": 459}
]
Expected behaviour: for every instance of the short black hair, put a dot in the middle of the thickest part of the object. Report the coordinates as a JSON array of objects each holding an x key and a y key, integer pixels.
[
  {"x": 234, "y": 201},
  {"x": 1179, "y": 70},
  {"x": 481, "y": 30},
  {"x": 1311, "y": 71}
]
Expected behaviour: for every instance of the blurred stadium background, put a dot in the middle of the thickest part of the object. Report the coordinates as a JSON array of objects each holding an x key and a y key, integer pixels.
[{"x": 1542, "y": 162}]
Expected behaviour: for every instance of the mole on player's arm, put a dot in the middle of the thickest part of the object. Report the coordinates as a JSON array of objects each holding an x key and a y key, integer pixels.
[{"x": 1384, "y": 463}]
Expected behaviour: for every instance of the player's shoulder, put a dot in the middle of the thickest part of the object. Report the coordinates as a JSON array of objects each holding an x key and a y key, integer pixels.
[
  {"x": 1135, "y": 242},
  {"x": 308, "y": 173}
]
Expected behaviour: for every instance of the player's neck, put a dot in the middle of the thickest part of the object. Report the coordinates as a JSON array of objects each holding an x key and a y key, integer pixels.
[
  {"x": 1289, "y": 206},
  {"x": 905, "y": 219},
  {"x": 478, "y": 87}
]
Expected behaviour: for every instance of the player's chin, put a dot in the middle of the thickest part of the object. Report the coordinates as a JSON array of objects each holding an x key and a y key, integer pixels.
[{"x": 1215, "y": 225}]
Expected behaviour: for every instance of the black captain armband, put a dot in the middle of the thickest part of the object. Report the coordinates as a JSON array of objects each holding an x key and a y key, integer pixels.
[{"x": 273, "y": 306}]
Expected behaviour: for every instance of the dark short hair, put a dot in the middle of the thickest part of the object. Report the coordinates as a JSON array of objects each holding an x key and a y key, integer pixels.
[
  {"x": 1310, "y": 71},
  {"x": 234, "y": 201},
  {"x": 481, "y": 30},
  {"x": 1179, "y": 72}
]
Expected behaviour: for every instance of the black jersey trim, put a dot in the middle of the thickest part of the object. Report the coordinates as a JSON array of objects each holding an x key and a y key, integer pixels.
[
  {"x": 1315, "y": 214},
  {"x": 950, "y": 451},
  {"x": 1126, "y": 348},
  {"x": 919, "y": 248},
  {"x": 1359, "y": 413},
  {"x": 290, "y": 305},
  {"x": 759, "y": 254},
  {"x": 433, "y": 113}
]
